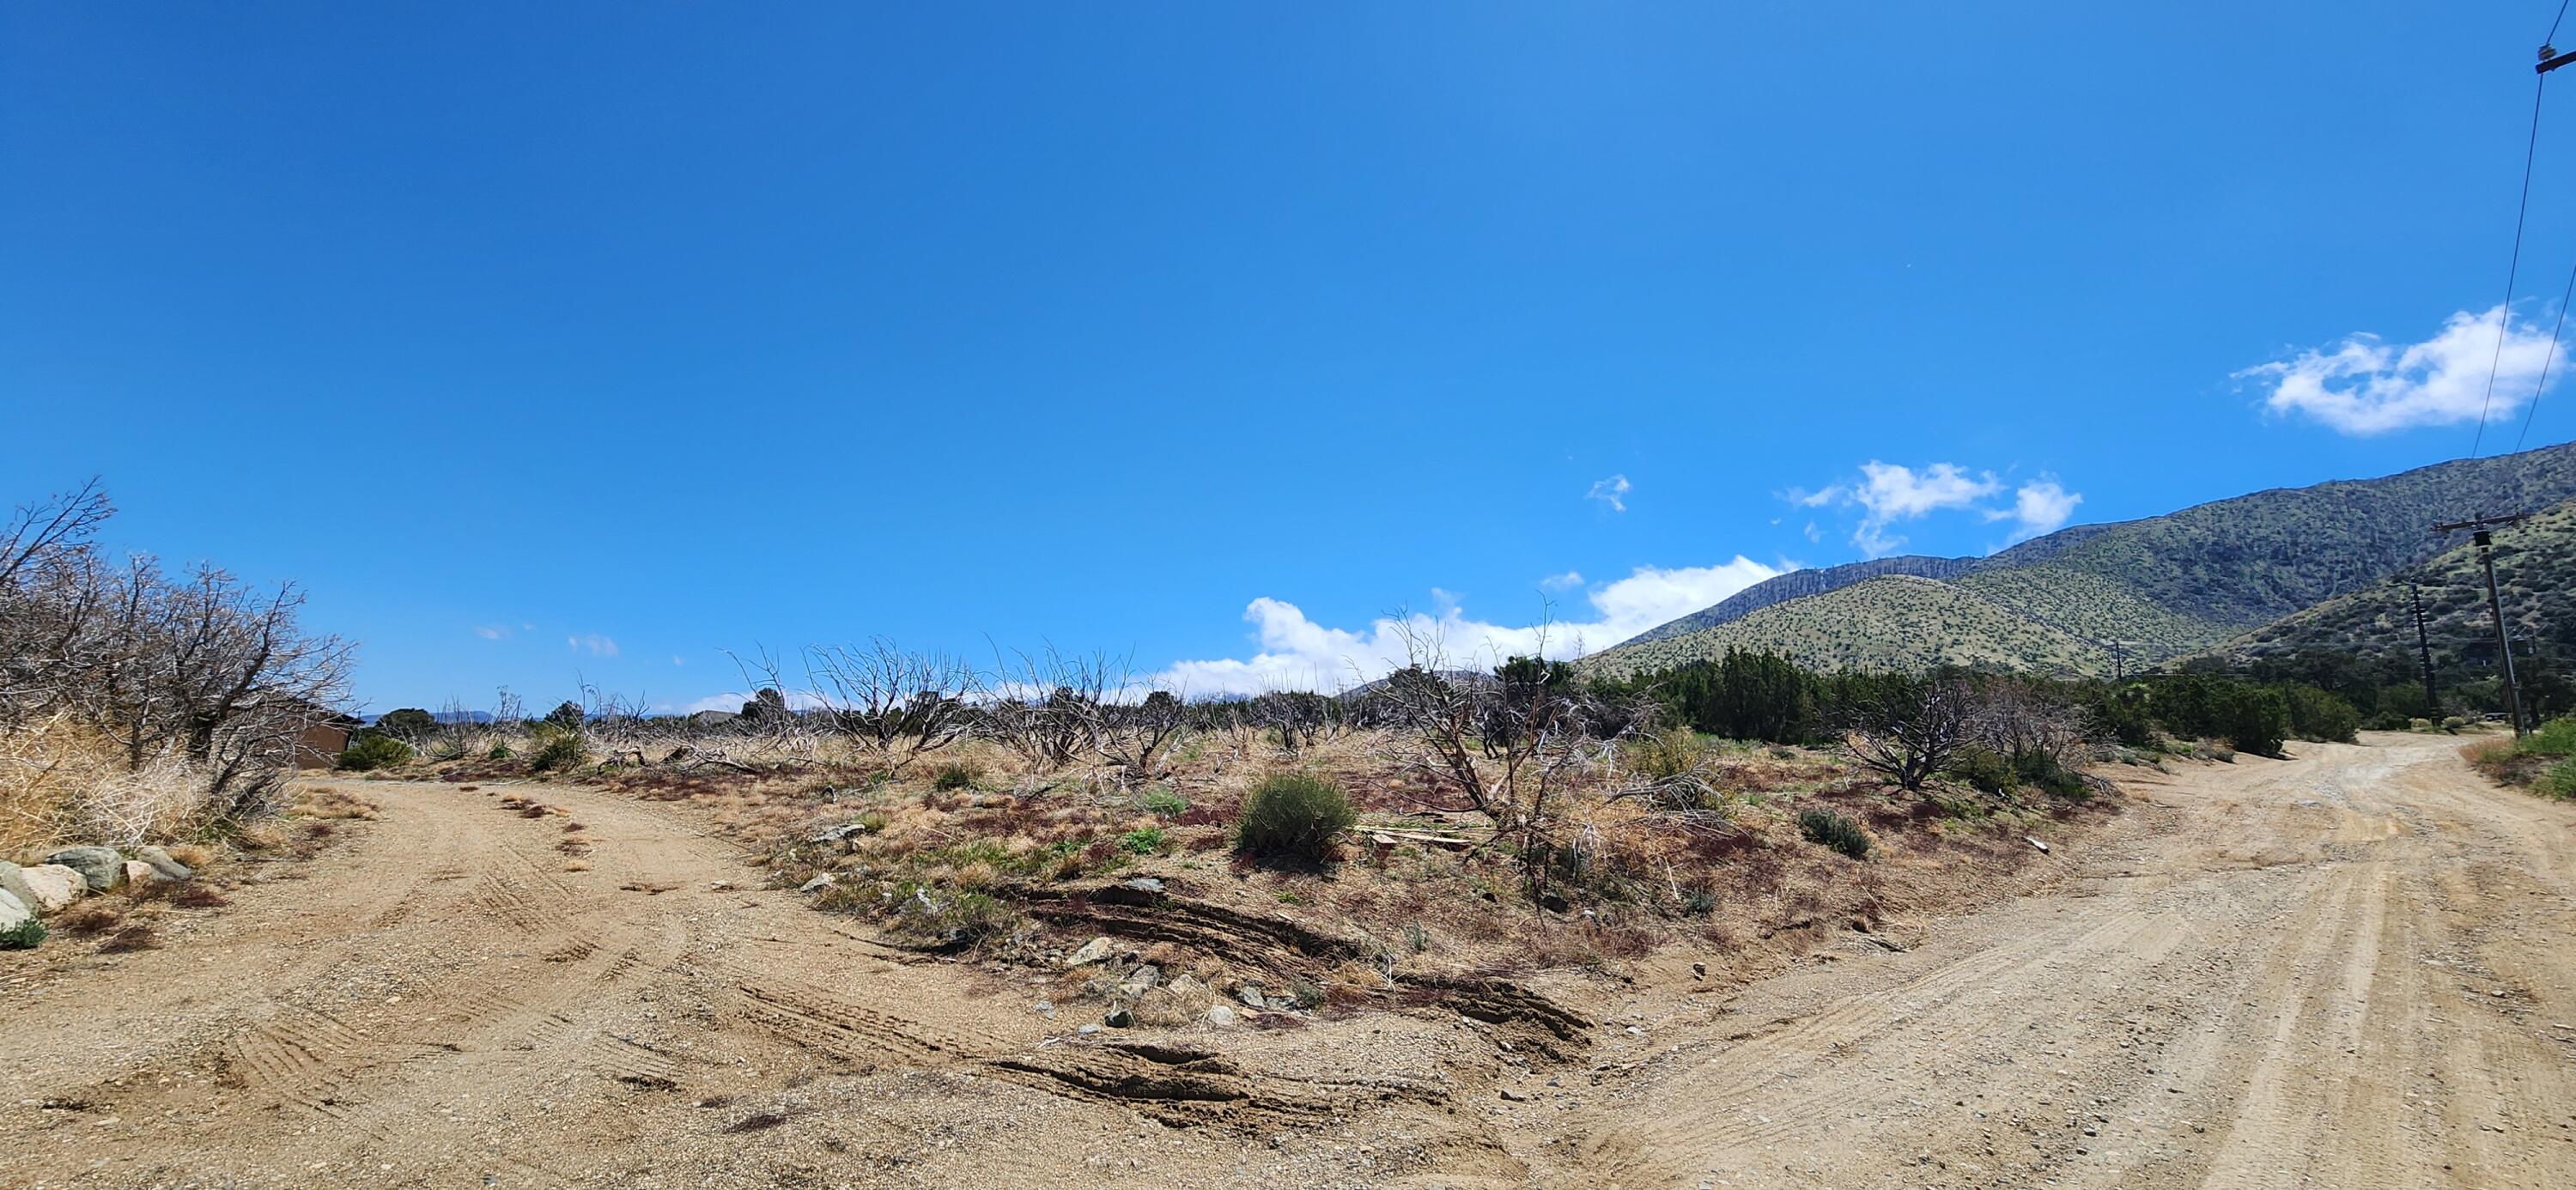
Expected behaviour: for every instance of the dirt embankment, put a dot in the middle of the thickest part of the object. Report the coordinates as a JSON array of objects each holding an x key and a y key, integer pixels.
[{"x": 2341, "y": 970}]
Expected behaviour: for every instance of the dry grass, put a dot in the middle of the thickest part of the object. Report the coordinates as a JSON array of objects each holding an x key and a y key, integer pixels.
[
  {"x": 62, "y": 782},
  {"x": 89, "y": 916},
  {"x": 131, "y": 937},
  {"x": 332, "y": 802}
]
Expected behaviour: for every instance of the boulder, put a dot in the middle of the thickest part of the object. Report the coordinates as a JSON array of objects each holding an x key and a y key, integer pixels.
[
  {"x": 138, "y": 872},
  {"x": 843, "y": 833},
  {"x": 102, "y": 867},
  {"x": 20, "y": 928},
  {"x": 169, "y": 869},
  {"x": 13, "y": 880},
  {"x": 1250, "y": 994},
  {"x": 1091, "y": 952},
  {"x": 1221, "y": 1016},
  {"x": 55, "y": 886},
  {"x": 1145, "y": 978}
]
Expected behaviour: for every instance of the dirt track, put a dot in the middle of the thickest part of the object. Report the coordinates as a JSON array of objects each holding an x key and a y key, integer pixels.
[{"x": 2349, "y": 969}]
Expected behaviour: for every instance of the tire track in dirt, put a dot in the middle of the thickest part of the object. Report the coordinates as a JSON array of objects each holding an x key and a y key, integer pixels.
[{"x": 2278, "y": 988}]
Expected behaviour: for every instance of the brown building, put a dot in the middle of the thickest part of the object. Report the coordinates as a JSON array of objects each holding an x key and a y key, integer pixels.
[{"x": 322, "y": 743}]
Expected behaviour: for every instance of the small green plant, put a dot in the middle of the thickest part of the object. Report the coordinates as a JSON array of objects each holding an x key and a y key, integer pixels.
[
  {"x": 950, "y": 917},
  {"x": 1416, "y": 938},
  {"x": 1294, "y": 816},
  {"x": 1983, "y": 769},
  {"x": 1834, "y": 831},
  {"x": 498, "y": 752},
  {"x": 557, "y": 748},
  {"x": 372, "y": 751},
  {"x": 2554, "y": 738},
  {"x": 1161, "y": 802},
  {"x": 1151, "y": 840},
  {"x": 1668, "y": 753},
  {"x": 26, "y": 935},
  {"x": 2559, "y": 781},
  {"x": 955, "y": 775},
  {"x": 1698, "y": 902}
]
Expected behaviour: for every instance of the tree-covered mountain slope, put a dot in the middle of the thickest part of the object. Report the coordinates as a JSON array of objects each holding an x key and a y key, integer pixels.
[
  {"x": 2535, "y": 582},
  {"x": 2156, "y": 588}
]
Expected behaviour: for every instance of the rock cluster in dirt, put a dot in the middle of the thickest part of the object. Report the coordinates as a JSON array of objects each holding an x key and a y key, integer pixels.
[{"x": 28, "y": 893}]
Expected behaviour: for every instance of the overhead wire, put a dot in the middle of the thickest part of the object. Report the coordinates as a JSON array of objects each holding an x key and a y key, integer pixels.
[
  {"x": 2513, "y": 268},
  {"x": 2549, "y": 359}
]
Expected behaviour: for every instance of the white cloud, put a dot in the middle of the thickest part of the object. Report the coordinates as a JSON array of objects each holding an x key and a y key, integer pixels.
[
  {"x": 491, "y": 631},
  {"x": 1612, "y": 491},
  {"x": 1295, "y": 653},
  {"x": 594, "y": 643},
  {"x": 1889, "y": 494},
  {"x": 1562, "y": 582},
  {"x": 676, "y": 659},
  {"x": 2364, "y": 386},
  {"x": 2040, "y": 506}
]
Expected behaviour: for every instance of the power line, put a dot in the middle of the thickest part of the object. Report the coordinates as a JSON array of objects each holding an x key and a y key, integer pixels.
[
  {"x": 2513, "y": 268},
  {"x": 2553, "y": 24},
  {"x": 2552, "y": 357}
]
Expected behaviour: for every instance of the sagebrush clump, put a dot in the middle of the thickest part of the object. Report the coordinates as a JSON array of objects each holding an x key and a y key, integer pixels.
[
  {"x": 1835, "y": 831},
  {"x": 557, "y": 747},
  {"x": 371, "y": 751},
  {"x": 1294, "y": 816}
]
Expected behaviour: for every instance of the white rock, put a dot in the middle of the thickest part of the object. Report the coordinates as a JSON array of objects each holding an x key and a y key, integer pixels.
[
  {"x": 1091, "y": 952},
  {"x": 55, "y": 886},
  {"x": 139, "y": 872},
  {"x": 162, "y": 862}
]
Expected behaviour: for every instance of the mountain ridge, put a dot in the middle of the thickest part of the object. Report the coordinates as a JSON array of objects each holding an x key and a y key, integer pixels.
[{"x": 2151, "y": 588}]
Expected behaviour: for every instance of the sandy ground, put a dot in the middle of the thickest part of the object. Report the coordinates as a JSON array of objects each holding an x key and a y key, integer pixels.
[{"x": 2348, "y": 969}]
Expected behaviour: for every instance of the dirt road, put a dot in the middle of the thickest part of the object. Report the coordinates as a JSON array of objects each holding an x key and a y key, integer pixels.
[
  {"x": 2351, "y": 969},
  {"x": 2348, "y": 969}
]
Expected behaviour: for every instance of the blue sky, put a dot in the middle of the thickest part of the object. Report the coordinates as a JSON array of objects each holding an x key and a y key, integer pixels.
[{"x": 544, "y": 341}]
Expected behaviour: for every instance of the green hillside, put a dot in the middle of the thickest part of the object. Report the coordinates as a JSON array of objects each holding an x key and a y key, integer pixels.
[
  {"x": 2535, "y": 579},
  {"x": 2169, "y": 586},
  {"x": 1898, "y": 622}
]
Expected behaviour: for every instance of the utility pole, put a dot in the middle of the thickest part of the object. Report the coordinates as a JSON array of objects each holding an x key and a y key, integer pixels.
[
  {"x": 2485, "y": 540},
  {"x": 2119, "y": 659},
  {"x": 2424, "y": 649}
]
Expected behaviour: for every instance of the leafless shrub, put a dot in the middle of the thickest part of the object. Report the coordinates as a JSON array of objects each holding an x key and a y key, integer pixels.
[
  {"x": 1136, "y": 739},
  {"x": 199, "y": 666},
  {"x": 1302, "y": 719},
  {"x": 2018, "y": 725},
  {"x": 894, "y": 705},
  {"x": 1047, "y": 704},
  {"x": 769, "y": 723},
  {"x": 1913, "y": 730},
  {"x": 1511, "y": 749}
]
